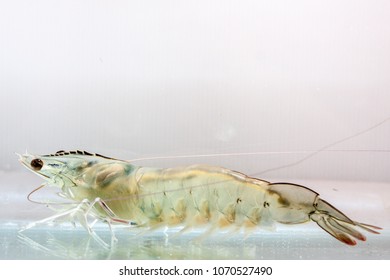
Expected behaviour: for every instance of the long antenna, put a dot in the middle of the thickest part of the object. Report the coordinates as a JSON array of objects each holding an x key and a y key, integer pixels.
[
  {"x": 33, "y": 191},
  {"x": 44, "y": 203},
  {"x": 311, "y": 153},
  {"x": 326, "y": 147}
]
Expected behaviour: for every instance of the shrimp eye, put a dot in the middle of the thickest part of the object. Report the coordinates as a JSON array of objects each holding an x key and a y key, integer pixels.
[{"x": 36, "y": 164}]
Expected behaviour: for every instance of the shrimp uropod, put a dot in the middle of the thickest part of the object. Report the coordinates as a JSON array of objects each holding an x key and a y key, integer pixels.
[{"x": 117, "y": 191}]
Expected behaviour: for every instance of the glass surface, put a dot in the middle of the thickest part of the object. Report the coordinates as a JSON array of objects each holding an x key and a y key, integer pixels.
[{"x": 364, "y": 201}]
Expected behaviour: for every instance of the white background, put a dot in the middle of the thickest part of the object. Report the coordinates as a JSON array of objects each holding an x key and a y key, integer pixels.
[{"x": 156, "y": 78}]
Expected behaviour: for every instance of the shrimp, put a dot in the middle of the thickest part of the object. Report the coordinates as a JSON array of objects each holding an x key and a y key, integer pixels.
[{"x": 117, "y": 191}]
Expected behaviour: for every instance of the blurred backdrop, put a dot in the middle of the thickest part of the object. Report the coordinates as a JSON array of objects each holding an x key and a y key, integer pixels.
[{"x": 133, "y": 79}]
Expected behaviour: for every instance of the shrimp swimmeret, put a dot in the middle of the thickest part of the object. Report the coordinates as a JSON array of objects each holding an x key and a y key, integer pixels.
[{"x": 117, "y": 191}]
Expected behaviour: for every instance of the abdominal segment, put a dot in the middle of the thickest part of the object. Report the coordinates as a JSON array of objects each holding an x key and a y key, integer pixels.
[{"x": 193, "y": 196}]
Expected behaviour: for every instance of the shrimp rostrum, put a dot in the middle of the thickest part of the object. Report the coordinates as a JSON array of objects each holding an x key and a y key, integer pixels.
[{"x": 117, "y": 191}]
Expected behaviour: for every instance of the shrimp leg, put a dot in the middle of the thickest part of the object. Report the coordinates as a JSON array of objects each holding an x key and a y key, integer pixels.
[{"x": 107, "y": 215}]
